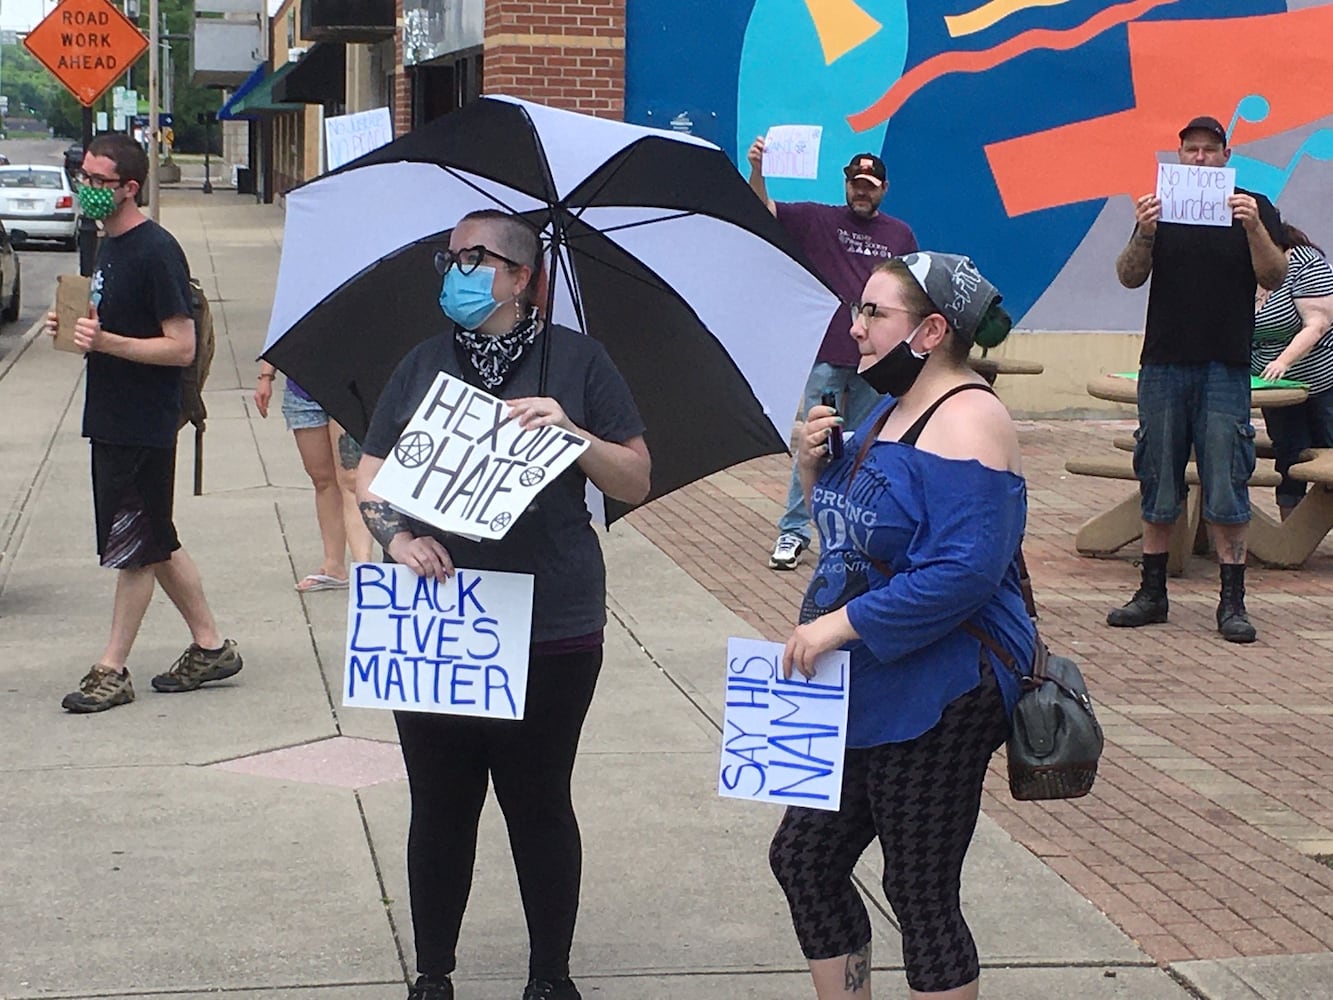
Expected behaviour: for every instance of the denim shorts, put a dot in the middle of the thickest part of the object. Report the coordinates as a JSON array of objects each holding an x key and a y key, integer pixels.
[
  {"x": 301, "y": 414},
  {"x": 1201, "y": 406}
]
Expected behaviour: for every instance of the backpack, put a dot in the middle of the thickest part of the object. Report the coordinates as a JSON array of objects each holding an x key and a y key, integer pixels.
[{"x": 195, "y": 374}]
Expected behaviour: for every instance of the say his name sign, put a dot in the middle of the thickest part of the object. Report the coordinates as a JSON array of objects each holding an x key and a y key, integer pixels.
[
  {"x": 457, "y": 647},
  {"x": 783, "y": 740},
  {"x": 1195, "y": 196},
  {"x": 464, "y": 465}
]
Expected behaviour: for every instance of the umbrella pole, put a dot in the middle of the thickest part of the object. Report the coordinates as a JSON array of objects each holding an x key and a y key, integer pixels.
[{"x": 550, "y": 303}]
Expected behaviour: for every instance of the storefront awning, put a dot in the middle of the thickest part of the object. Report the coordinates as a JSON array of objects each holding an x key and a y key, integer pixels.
[
  {"x": 318, "y": 77},
  {"x": 260, "y": 98},
  {"x": 226, "y": 112}
]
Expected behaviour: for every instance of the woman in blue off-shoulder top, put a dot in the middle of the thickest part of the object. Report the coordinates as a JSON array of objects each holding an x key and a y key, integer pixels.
[{"x": 920, "y": 522}]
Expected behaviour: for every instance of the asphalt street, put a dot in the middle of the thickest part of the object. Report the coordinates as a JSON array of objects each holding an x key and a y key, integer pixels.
[{"x": 39, "y": 263}]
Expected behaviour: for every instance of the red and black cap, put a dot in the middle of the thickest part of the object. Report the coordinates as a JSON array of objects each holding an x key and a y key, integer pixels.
[{"x": 867, "y": 167}]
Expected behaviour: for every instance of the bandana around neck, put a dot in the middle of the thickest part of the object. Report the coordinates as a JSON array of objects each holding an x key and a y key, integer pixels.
[{"x": 495, "y": 357}]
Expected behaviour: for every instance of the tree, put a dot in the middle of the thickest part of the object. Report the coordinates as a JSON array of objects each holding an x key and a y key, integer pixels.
[{"x": 29, "y": 84}]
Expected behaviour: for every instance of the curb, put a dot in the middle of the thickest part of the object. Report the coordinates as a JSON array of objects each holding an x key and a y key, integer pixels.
[{"x": 11, "y": 359}]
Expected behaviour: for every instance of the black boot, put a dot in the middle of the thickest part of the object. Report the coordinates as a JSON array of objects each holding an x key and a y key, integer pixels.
[
  {"x": 1231, "y": 619},
  {"x": 1148, "y": 606}
]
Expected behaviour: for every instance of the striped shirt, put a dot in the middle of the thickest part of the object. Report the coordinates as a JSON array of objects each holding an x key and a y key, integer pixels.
[{"x": 1277, "y": 321}]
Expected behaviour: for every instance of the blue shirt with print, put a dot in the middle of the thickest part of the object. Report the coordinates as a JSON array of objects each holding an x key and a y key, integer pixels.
[{"x": 948, "y": 531}]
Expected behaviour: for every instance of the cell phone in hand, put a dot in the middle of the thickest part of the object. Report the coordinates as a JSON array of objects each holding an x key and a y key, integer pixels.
[{"x": 830, "y": 399}]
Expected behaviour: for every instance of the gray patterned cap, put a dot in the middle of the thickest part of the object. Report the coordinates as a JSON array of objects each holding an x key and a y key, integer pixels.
[{"x": 954, "y": 286}]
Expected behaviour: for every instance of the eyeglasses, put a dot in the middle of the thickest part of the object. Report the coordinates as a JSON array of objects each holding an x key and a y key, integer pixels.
[
  {"x": 869, "y": 310},
  {"x": 468, "y": 259},
  {"x": 93, "y": 181}
]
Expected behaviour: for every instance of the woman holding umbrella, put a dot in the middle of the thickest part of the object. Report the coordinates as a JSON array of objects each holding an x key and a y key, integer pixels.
[
  {"x": 496, "y": 341},
  {"x": 920, "y": 522}
]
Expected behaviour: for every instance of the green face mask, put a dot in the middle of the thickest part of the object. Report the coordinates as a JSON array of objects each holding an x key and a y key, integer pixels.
[{"x": 96, "y": 203}]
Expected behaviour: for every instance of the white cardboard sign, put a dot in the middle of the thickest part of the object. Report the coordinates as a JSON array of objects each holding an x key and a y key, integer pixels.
[
  {"x": 465, "y": 466},
  {"x": 459, "y": 647},
  {"x": 783, "y": 740},
  {"x": 792, "y": 151},
  {"x": 350, "y": 136},
  {"x": 1195, "y": 196}
]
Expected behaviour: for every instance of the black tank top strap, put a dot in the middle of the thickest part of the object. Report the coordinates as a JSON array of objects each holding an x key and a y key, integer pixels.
[{"x": 912, "y": 433}]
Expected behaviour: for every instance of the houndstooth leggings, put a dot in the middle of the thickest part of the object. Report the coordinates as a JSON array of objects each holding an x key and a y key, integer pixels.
[{"x": 921, "y": 799}]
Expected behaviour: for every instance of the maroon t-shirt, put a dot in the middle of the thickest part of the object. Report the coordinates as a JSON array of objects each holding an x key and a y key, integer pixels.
[{"x": 844, "y": 248}]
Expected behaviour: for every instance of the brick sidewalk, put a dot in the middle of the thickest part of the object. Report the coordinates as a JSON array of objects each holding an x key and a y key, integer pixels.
[{"x": 1213, "y": 796}]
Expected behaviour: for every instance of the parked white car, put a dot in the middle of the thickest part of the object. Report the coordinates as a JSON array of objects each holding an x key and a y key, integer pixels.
[
  {"x": 10, "y": 290},
  {"x": 38, "y": 203}
]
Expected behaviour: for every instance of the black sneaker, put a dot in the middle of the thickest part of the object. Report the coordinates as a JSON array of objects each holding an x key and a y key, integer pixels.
[
  {"x": 101, "y": 688},
  {"x": 198, "y": 666},
  {"x": 551, "y": 989},
  {"x": 431, "y": 988}
]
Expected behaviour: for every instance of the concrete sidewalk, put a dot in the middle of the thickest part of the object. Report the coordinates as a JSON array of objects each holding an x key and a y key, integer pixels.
[{"x": 250, "y": 836}]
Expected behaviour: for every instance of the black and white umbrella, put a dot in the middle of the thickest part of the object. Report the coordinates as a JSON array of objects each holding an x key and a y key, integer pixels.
[{"x": 658, "y": 248}]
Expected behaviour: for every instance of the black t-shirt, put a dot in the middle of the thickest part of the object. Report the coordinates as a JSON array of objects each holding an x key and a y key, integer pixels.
[
  {"x": 553, "y": 539},
  {"x": 141, "y": 281},
  {"x": 1201, "y": 302}
]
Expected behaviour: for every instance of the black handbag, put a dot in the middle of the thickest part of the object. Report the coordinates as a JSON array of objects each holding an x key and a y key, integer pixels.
[{"x": 1055, "y": 740}]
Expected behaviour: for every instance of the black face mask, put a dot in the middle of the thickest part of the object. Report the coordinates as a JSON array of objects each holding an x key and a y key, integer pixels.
[{"x": 894, "y": 373}]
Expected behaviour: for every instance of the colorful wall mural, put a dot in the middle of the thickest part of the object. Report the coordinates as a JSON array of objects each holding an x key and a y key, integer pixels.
[{"x": 1015, "y": 130}]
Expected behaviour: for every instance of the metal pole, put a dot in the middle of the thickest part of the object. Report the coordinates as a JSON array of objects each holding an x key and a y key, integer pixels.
[
  {"x": 154, "y": 30},
  {"x": 208, "y": 184},
  {"x": 168, "y": 71},
  {"x": 87, "y": 227}
]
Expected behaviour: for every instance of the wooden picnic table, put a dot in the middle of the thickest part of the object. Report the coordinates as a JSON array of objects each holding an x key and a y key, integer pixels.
[
  {"x": 1115, "y": 528},
  {"x": 1119, "y": 389},
  {"x": 988, "y": 367}
]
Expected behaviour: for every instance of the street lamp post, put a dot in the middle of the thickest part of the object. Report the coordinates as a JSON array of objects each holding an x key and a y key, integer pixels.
[
  {"x": 153, "y": 97},
  {"x": 205, "y": 119}
]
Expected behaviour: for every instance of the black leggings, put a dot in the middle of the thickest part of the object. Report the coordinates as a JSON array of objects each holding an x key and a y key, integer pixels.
[
  {"x": 449, "y": 759},
  {"x": 921, "y": 799}
]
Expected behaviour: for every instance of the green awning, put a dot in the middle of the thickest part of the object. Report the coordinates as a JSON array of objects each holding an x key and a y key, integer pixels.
[{"x": 260, "y": 99}]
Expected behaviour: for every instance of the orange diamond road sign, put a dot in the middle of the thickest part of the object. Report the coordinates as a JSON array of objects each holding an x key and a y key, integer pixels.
[{"x": 88, "y": 45}]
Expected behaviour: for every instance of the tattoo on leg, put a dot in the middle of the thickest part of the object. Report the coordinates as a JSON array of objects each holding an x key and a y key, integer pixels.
[
  {"x": 857, "y": 972},
  {"x": 349, "y": 452},
  {"x": 383, "y": 521}
]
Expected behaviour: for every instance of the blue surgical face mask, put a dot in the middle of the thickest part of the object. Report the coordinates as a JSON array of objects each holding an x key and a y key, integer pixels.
[{"x": 466, "y": 298}]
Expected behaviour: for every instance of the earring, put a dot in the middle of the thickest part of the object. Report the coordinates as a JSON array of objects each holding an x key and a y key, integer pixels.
[{"x": 518, "y": 313}]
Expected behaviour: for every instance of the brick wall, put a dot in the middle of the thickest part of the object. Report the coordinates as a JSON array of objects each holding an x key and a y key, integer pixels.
[
  {"x": 402, "y": 83},
  {"x": 566, "y": 53}
]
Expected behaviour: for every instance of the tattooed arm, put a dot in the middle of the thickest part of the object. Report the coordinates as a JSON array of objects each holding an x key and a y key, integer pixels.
[
  {"x": 1134, "y": 264},
  {"x": 384, "y": 523},
  {"x": 425, "y": 556}
]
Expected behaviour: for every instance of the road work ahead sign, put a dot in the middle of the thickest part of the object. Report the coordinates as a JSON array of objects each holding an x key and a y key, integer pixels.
[{"x": 88, "y": 45}]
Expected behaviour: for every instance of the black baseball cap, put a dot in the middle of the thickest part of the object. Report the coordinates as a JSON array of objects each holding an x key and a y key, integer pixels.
[
  {"x": 866, "y": 166},
  {"x": 1205, "y": 123}
]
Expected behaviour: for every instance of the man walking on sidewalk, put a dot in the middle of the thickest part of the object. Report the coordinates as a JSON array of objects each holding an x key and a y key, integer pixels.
[
  {"x": 1194, "y": 376},
  {"x": 138, "y": 338},
  {"x": 844, "y": 243}
]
